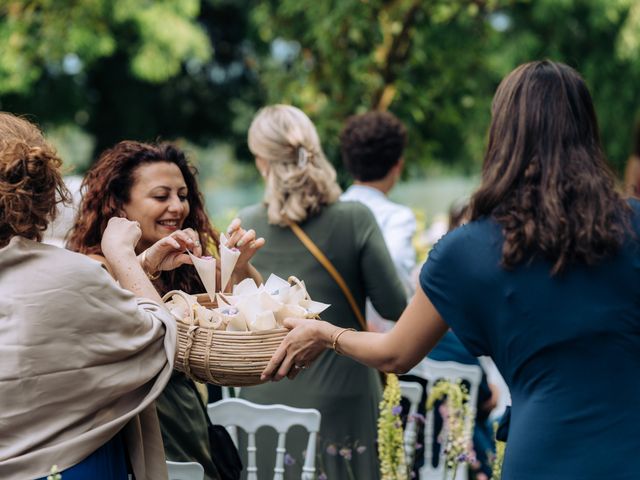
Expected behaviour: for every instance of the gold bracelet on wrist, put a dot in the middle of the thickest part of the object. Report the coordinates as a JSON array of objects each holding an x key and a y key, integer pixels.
[
  {"x": 143, "y": 261},
  {"x": 334, "y": 345}
]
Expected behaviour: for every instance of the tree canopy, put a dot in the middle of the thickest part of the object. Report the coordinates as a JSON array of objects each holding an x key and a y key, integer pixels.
[{"x": 199, "y": 69}]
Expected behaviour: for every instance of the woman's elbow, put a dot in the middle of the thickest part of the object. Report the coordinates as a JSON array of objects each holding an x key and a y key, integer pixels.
[{"x": 395, "y": 364}]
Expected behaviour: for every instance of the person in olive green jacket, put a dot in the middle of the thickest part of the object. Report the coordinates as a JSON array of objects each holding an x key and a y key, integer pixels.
[{"x": 301, "y": 187}]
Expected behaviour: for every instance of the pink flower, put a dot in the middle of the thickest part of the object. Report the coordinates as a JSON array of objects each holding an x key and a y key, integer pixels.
[
  {"x": 345, "y": 453},
  {"x": 332, "y": 450}
]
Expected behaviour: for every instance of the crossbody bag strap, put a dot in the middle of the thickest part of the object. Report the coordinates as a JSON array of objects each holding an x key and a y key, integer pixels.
[{"x": 326, "y": 263}]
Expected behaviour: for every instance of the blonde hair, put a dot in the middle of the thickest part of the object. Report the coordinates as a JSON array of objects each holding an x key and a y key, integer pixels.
[
  {"x": 31, "y": 184},
  {"x": 300, "y": 180}
]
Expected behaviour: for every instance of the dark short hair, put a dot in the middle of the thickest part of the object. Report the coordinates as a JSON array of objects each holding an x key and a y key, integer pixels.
[{"x": 371, "y": 144}]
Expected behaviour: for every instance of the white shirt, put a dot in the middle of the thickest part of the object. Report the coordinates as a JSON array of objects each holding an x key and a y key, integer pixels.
[{"x": 398, "y": 225}]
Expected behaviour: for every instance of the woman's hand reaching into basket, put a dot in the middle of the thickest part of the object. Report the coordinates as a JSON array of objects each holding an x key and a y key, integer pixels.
[
  {"x": 248, "y": 244},
  {"x": 169, "y": 252}
]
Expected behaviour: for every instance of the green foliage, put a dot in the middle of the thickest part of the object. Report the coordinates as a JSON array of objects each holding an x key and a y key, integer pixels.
[
  {"x": 53, "y": 474},
  {"x": 414, "y": 58},
  {"x": 37, "y": 35},
  {"x": 459, "y": 420},
  {"x": 199, "y": 69},
  {"x": 496, "y": 465},
  {"x": 600, "y": 38},
  {"x": 158, "y": 78},
  {"x": 393, "y": 465}
]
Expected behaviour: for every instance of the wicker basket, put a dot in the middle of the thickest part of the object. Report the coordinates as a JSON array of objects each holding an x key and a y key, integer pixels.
[{"x": 230, "y": 359}]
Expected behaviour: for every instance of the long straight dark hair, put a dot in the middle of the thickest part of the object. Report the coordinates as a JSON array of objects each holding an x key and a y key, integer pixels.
[{"x": 545, "y": 178}]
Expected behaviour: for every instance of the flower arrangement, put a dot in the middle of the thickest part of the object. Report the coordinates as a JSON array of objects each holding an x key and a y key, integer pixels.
[
  {"x": 53, "y": 474},
  {"x": 393, "y": 465},
  {"x": 496, "y": 465},
  {"x": 458, "y": 417}
]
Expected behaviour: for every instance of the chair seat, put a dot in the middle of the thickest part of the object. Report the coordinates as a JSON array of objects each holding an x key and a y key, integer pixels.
[{"x": 185, "y": 470}]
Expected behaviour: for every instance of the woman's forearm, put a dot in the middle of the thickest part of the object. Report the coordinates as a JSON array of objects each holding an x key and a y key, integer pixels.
[
  {"x": 372, "y": 349},
  {"x": 130, "y": 275},
  {"x": 417, "y": 331}
]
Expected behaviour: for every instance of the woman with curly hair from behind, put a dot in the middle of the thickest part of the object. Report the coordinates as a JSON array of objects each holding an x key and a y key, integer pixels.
[{"x": 83, "y": 358}]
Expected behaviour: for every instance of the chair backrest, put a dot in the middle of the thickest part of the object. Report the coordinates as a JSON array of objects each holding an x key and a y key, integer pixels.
[
  {"x": 251, "y": 416},
  {"x": 412, "y": 391},
  {"x": 185, "y": 471},
  {"x": 432, "y": 371}
]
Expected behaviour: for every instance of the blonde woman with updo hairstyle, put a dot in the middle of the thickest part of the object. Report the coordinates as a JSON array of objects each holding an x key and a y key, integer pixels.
[
  {"x": 301, "y": 188},
  {"x": 300, "y": 181},
  {"x": 83, "y": 358}
]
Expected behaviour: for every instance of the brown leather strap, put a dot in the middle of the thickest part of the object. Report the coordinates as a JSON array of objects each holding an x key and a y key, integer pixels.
[{"x": 326, "y": 263}]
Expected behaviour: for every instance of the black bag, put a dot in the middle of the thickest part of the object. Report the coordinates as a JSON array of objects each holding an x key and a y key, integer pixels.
[{"x": 224, "y": 453}]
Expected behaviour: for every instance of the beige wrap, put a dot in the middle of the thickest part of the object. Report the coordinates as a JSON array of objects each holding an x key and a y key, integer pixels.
[{"x": 81, "y": 359}]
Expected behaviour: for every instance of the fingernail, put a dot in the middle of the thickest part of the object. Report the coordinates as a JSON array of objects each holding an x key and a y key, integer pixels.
[{"x": 240, "y": 243}]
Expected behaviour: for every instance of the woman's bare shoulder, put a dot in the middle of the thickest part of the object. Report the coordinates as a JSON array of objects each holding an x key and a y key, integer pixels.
[{"x": 103, "y": 261}]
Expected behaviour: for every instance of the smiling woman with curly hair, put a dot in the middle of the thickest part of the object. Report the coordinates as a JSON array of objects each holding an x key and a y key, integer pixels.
[{"x": 155, "y": 185}]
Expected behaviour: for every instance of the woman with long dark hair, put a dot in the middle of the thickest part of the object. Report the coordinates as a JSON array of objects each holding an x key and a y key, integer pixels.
[{"x": 545, "y": 279}]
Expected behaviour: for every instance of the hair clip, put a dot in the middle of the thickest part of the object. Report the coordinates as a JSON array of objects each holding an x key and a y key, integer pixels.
[{"x": 303, "y": 157}]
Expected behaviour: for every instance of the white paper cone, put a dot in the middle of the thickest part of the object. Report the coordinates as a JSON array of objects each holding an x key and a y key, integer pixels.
[
  {"x": 245, "y": 287},
  {"x": 225, "y": 299},
  {"x": 290, "y": 311},
  {"x": 314, "y": 308},
  {"x": 206, "y": 268},
  {"x": 233, "y": 319},
  {"x": 263, "y": 321},
  {"x": 278, "y": 288},
  {"x": 228, "y": 260}
]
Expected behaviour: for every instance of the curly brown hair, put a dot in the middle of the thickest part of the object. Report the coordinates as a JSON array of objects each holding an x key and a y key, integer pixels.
[
  {"x": 371, "y": 144},
  {"x": 31, "y": 184},
  {"x": 545, "y": 178},
  {"x": 107, "y": 187}
]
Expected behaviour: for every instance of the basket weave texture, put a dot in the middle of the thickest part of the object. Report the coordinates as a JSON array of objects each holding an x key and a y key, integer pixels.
[{"x": 230, "y": 359}]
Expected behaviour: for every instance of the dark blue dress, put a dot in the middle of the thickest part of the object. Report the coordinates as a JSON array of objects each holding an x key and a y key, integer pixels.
[
  {"x": 567, "y": 346},
  {"x": 109, "y": 462}
]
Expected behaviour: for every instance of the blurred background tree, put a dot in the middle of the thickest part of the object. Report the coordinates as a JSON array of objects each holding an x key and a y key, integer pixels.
[{"x": 98, "y": 71}]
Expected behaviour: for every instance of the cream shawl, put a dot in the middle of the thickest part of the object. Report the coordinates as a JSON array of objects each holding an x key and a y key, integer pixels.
[{"x": 81, "y": 360}]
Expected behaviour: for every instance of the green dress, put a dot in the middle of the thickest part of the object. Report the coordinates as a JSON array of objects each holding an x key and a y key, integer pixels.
[
  {"x": 345, "y": 392},
  {"x": 184, "y": 425}
]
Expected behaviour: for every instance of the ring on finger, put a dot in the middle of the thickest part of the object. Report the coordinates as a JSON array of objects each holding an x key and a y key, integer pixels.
[{"x": 196, "y": 243}]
